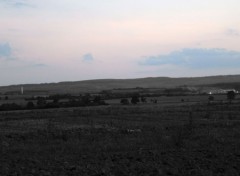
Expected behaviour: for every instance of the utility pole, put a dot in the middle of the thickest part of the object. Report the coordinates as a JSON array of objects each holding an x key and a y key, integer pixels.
[{"x": 22, "y": 90}]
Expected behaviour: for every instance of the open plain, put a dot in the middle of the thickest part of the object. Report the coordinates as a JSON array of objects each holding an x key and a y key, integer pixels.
[{"x": 167, "y": 138}]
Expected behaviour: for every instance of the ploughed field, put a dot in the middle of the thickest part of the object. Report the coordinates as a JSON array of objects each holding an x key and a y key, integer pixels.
[{"x": 146, "y": 139}]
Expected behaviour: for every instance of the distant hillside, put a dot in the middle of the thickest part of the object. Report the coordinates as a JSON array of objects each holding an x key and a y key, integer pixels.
[
  {"x": 107, "y": 84},
  {"x": 234, "y": 85}
]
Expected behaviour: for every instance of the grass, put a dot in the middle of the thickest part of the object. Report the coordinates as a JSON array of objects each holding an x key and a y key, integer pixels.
[{"x": 150, "y": 139}]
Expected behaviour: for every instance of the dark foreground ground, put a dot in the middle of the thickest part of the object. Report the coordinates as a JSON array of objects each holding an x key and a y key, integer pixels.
[{"x": 182, "y": 140}]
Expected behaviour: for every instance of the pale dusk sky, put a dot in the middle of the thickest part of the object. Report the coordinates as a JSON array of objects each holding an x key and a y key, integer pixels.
[{"x": 70, "y": 40}]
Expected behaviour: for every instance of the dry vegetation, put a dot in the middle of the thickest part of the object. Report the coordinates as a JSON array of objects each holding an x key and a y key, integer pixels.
[{"x": 146, "y": 139}]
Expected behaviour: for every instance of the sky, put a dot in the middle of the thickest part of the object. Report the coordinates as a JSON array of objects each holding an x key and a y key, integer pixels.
[{"x": 43, "y": 41}]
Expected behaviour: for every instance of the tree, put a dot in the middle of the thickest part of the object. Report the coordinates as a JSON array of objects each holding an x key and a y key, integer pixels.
[
  {"x": 97, "y": 100},
  {"x": 41, "y": 102},
  {"x": 135, "y": 99},
  {"x": 10, "y": 107},
  {"x": 124, "y": 101},
  {"x": 143, "y": 100},
  {"x": 231, "y": 95},
  {"x": 86, "y": 99},
  {"x": 154, "y": 100},
  {"x": 56, "y": 100},
  {"x": 30, "y": 105},
  {"x": 211, "y": 98}
]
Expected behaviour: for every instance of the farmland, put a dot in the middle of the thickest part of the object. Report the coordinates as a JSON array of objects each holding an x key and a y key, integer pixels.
[{"x": 171, "y": 137}]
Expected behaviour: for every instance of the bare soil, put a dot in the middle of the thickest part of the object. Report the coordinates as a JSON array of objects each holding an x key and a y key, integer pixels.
[{"x": 192, "y": 139}]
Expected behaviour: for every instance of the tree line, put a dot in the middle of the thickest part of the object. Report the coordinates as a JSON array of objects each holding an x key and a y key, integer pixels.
[{"x": 54, "y": 102}]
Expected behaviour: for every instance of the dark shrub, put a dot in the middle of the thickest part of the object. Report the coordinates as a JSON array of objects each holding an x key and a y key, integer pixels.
[
  {"x": 135, "y": 99},
  {"x": 231, "y": 95},
  {"x": 143, "y": 100},
  {"x": 10, "y": 107},
  {"x": 124, "y": 101},
  {"x": 41, "y": 102},
  {"x": 30, "y": 105},
  {"x": 211, "y": 98}
]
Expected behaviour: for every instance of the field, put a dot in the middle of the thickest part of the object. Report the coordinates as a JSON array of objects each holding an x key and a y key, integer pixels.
[{"x": 168, "y": 138}]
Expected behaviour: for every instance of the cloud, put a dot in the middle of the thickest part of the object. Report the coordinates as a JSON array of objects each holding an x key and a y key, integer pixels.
[
  {"x": 8, "y": 59},
  {"x": 6, "y": 53},
  {"x": 16, "y": 3},
  {"x": 21, "y": 4},
  {"x": 88, "y": 58},
  {"x": 39, "y": 65},
  {"x": 232, "y": 32},
  {"x": 5, "y": 50},
  {"x": 196, "y": 58}
]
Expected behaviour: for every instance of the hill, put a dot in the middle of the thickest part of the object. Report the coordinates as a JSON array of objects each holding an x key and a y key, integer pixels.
[{"x": 108, "y": 84}]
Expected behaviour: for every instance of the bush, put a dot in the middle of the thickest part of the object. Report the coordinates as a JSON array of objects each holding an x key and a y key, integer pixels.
[
  {"x": 41, "y": 102},
  {"x": 85, "y": 100},
  {"x": 231, "y": 95},
  {"x": 52, "y": 105},
  {"x": 211, "y": 98},
  {"x": 124, "y": 101},
  {"x": 10, "y": 107},
  {"x": 135, "y": 99},
  {"x": 30, "y": 105},
  {"x": 143, "y": 100},
  {"x": 97, "y": 100}
]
